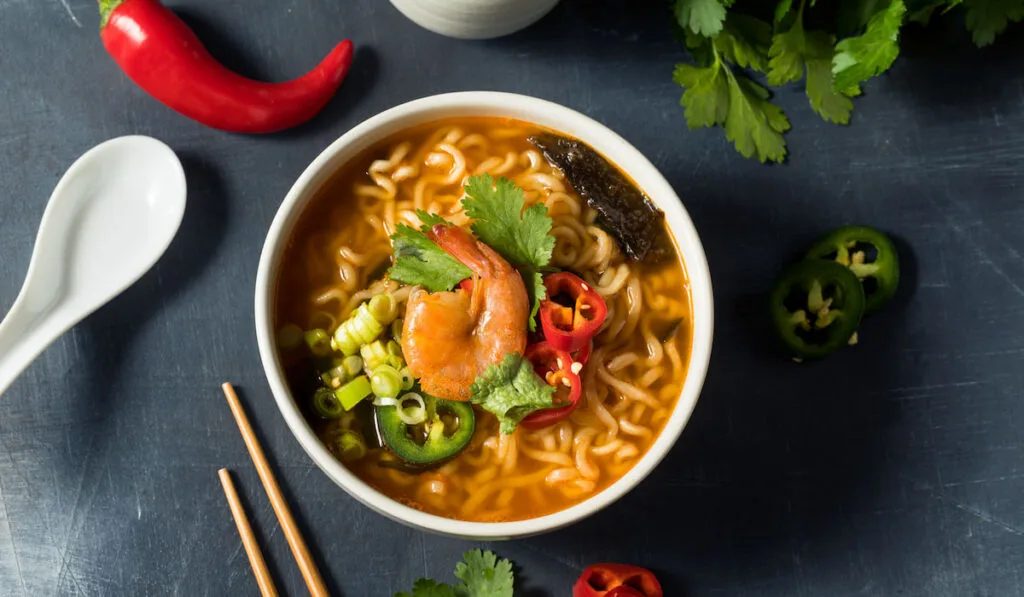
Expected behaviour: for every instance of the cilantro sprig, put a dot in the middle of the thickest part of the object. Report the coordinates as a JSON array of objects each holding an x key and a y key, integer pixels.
[
  {"x": 521, "y": 235},
  {"x": 731, "y": 50},
  {"x": 482, "y": 574},
  {"x": 511, "y": 390}
]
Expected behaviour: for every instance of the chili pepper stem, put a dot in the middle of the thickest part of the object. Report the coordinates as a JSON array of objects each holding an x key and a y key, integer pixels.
[{"x": 107, "y": 7}]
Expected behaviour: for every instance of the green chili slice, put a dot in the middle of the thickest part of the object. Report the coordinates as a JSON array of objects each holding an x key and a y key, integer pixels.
[
  {"x": 816, "y": 307},
  {"x": 869, "y": 254},
  {"x": 446, "y": 432}
]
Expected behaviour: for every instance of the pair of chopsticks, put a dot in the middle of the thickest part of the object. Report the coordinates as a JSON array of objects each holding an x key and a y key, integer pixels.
[{"x": 307, "y": 566}]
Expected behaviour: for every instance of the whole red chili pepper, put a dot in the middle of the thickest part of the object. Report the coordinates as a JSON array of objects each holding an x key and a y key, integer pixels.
[
  {"x": 163, "y": 56},
  {"x": 617, "y": 580},
  {"x": 558, "y": 369},
  {"x": 571, "y": 328}
]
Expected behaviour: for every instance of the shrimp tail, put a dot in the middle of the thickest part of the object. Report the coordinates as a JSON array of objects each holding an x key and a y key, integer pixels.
[{"x": 461, "y": 245}]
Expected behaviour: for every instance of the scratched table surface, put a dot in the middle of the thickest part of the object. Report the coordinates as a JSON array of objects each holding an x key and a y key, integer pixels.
[{"x": 894, "y": 469}]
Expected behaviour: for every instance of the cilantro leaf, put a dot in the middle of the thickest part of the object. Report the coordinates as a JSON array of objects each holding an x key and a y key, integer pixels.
[
  {"x": 782, "y": 9},
  {"x": 522, "y": 237},
  {"x": 533, "y": 280},
  {"x": 744, "y": 41},
  {"x": 797, "y": 50},
  {"x": 716, "y": 96},
  {"x": 430, "y": 220},
  {"x": 754, "y": 125},
  {"x": 427, "y": 588},
  {"x": 706, "y": 98},
  {"x": 853, "y": 15},
  {"x": 511, "y": 390},
  {"x": 703, "y": 17},
  {"x": 987, "y": 18},
  {"x": 786, "y": 55},
  {"x": 418, "y": 261},
  {"x": 830, "y": 104},
  {"x": 923, "y": 14},
  {"x": 483, "y": 575},
  {"x": 859, "y": 58}
]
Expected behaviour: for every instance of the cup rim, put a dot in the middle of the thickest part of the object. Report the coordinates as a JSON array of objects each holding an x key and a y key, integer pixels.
[{"x": 546, "y": 114}]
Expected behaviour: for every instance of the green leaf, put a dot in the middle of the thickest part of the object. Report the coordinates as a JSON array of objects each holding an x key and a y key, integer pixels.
[
  {"x": 703, "y": 17},
  {"x": 987, "y": 18},
  {"x": 754, "y": 124},
  {"x": 483, "y": 574},
  {"x": 923, "y": 14},
  {"x": 797, "y": 51},
  {"x": 854, "y": 15},
  {"x": 522, "y": 237},
  {"x": 745, "y": 41},
  {"x": 425, "y": 587},
  {"x": 787, "y": 55},
  {"x": 430, "y": 220},
  {"x": 859, "y": 58},
  {"x": 782, "y": 9},
  {"x": 511, "y": 390},
  {"x": 825, "y": 100},
  {"x": 420, "y": 262},
  {"x": 706, "y": 99}
]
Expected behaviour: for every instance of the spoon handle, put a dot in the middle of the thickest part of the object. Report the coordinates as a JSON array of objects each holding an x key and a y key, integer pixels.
[{"x": 24, "y": 334}]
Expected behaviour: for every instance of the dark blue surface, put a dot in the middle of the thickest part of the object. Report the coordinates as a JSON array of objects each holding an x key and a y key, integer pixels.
[{"x": 894, "y": 469}]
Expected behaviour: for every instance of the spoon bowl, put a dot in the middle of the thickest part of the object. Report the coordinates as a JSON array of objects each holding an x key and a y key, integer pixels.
[{"x": 108, "y": 221}]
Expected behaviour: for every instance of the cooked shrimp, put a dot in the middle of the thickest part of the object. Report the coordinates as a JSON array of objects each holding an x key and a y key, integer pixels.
[{"x": 450, "y": 338}]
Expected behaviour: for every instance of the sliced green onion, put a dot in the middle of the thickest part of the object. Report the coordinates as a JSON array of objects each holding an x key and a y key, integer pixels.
[
  {"x": 335, "y": 377},
  {"x": 396, "y": 329},
  {"x": 395, "y": 361},
  {"x": 318, "y": 341},
  {"x": 326, "y": 404},
  {"x": 359, "y": 329},
  {"x": 378, "y": 401},
  {"x": 352, "y": 365},
  {"x": 384, "y": 308},
  {"x": 374, "y": 355},
  {"x": 394, "y": 348},
  {"x": 412, "y": 414},
  {"x": 385, "y": 381},
  {"x": 349, "y": 446},
  {"x": 353, "y": 392},
  {"x": 289, "y": 337},
  {"x": 408, "y": 381}
]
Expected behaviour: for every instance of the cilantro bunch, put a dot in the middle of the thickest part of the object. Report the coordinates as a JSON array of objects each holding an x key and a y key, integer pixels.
[
  {"x": 833, "y": 47},
  {"x": 482, "y": 574}
]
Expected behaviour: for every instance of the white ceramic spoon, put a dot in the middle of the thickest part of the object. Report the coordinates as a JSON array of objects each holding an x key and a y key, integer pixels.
[{"x": 111, "y": 217}]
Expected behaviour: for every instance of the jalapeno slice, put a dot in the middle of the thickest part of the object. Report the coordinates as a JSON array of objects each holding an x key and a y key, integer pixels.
[
  {"x": 816, "y": 307},
  {"x": 447, "y": 430},
  {"x": 869, "y": 254}
]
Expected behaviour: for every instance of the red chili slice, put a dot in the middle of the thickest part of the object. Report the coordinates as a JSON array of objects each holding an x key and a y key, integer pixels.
[
  {"x": 555, "y": 367},
  {"x": 570, "y": 328},
  {"x": 617, "y": 580}
]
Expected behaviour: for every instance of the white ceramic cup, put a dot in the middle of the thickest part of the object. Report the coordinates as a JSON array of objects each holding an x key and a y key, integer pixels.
[
  {"x": 545, "y": 114},
  {"x": 474, "y": 19}
]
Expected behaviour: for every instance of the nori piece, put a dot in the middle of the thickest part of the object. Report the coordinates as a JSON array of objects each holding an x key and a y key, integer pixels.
[{"x": 623, "y": 210}]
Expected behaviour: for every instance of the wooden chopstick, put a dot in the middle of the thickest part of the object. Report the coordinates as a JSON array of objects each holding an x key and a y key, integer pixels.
[
  {"x": 252, "y": 548},
  {"x": 307, "y": 566}
]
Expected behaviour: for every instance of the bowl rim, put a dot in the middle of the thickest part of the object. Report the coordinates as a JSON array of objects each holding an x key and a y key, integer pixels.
[{"x": 543, "y": 113}]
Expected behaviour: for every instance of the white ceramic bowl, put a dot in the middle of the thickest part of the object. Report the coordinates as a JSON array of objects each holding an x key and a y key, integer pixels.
[
  {"x": 545, "y": 114},
  {"x": 474, "y": 19}
]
